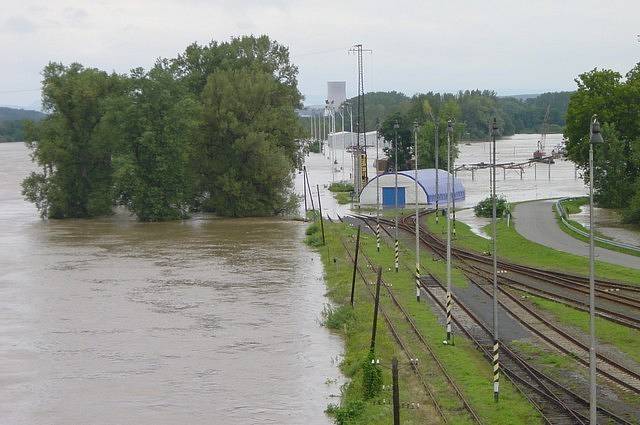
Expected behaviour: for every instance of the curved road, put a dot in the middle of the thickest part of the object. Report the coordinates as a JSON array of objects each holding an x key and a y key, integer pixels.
[{"x": 536, "y": 221}]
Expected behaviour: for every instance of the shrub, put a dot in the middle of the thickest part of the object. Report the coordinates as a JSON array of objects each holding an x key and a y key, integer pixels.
[
  {"x": 341, "y": 187},
  {"x": 484, "y": 208},
  {"x": 313, "y": 228},
  {"x": 344, "y": 414},
  {"x": 371, "y": 378},
  {"x": 315, "y": 146},
  {"x": 337, "y": 318}
]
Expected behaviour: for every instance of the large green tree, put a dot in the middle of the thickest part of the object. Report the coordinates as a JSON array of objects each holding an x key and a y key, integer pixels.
[
  {"x": 616, "y": 101},
  {"x": 245, "y": 162},
  {"x": 74, "y": 156},
  {"x": 155, "y": 126},
  {"x": 213, "y": 129}
]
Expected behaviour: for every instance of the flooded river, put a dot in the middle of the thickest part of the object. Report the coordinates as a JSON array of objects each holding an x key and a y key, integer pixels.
[{"x": 111, "y": 321}]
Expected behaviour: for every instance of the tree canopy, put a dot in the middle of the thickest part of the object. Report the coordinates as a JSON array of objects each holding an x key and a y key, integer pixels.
[
  {"x": 475, "y": 109},
  {"x": 214, "y": 129},
  {"x": 616, "y": 101}
]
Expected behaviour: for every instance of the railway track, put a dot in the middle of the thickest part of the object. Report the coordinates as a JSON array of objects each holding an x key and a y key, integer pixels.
[
  {"x": 616, "y": 307},
  {"x": 556, "y": 403},
  {"x": 399, "y": 340},
  {"x": 552, "y": 334}
]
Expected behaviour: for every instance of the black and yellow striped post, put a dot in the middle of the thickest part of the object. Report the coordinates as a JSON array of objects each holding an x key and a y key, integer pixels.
[
  {"x": 418, "y": 282},
  {"x": 448, "y": 307},
  {"x": 496, "y": 371},
  {"x": 397, "y": 248}
]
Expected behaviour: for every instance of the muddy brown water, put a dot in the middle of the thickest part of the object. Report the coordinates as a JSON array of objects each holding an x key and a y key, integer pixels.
[{"x": 111, "y": 321}]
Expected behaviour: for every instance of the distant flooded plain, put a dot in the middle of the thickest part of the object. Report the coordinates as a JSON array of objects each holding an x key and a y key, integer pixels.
[{"x": 202, "y": 321}]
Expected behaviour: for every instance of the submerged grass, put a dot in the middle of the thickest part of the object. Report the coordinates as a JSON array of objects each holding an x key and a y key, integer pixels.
[
  {"x": 466, "y": 365},
  {"x": 572, "y": 206}
]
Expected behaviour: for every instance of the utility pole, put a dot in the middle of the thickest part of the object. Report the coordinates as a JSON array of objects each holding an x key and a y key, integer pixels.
[
  {"x": 449, "y": 179},
  {"x": 375, "y": 311},
  {"x": 377, "y": 188},
  {"x": 396, "y": 391},
  {"x": 395, "y": 196},
  {"x": 496, "y": 343}
]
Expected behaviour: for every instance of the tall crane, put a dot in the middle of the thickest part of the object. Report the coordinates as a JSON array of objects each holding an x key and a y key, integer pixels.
[{"x": 540, "y": 154}]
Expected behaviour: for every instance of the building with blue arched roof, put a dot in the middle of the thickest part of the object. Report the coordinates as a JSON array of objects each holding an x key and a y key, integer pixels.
[{"x": 406, "y": 188}]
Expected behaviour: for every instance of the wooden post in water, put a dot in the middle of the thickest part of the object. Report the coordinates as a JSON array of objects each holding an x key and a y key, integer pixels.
[
  {"x": 321, "y": 219},
  {"x": 375, "y": 311},
  {"x": 304, "y": 186},
  {"x": 313, "y": 207},
  {"x": 396, "y": 391},
  {"x": 355, "y": 266}
]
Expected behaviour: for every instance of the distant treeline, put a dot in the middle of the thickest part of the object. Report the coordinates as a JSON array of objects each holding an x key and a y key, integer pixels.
[
  {"x": 213, "y": 129},
  {"x": 476, "y": 109},
  {"x": 12, "y": 123}
]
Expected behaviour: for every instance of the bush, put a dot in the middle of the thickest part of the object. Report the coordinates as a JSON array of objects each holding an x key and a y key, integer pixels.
[
  {"x": 485, "y": 207},
  {"x": 337, "y": 318},
  {"x": 344, "y": 414},
  {"x": 313, "y": 228},
  {"x": 632, "y": 213},
  {"x": 343, "y": 197},
  {"x": 341, "y": 187},
  {"x": 315, "y": 146},
  {"x": 371, "y": 378}
]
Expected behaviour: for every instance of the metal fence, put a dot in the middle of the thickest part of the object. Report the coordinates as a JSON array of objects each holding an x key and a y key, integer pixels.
[{"x": 563, "y": 216}]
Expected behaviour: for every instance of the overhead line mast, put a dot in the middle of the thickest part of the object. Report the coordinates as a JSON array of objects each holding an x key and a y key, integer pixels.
[{"x": 360, "y": 154}]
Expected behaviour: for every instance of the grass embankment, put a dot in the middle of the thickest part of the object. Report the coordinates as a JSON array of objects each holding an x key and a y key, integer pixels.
[
  {"x": 468, "y": 368},
  {"x": 624, "y": 338},
  {"x": 573, "y": 206},
  {"x": 514, "y": 247}
]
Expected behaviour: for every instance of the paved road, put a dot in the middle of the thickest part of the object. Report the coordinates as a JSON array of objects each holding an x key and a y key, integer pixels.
[{"x": 536, "y": 221}]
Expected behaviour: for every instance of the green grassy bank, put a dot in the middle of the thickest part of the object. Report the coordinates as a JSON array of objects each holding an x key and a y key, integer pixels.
[
  {"x": 512, "y": 246},
  {"x": 469, "y": 369}
]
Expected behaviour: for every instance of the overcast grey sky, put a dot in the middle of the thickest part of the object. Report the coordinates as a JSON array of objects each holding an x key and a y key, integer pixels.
[{"x": 509, "y": 46}]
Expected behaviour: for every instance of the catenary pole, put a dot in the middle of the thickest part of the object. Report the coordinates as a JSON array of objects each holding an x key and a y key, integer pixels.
[
  {"x": 395, "y": 167},
  {"x": 377, "y": 187},
  {"x": 496, "y": 343},
  {"x": 415, "y": 178},
  {"x": 594, "y": 138},
  {"x": 449, "y": 181},
  {"x": 437, "y": 125}
]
